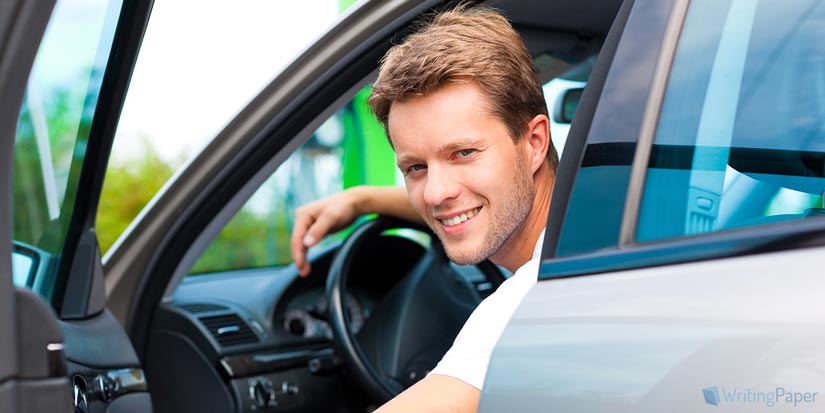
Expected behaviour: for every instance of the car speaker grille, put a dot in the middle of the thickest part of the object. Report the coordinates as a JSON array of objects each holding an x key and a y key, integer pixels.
[
  {"x": 229, "y": 330},
  {"x": 195, "y": 308}
]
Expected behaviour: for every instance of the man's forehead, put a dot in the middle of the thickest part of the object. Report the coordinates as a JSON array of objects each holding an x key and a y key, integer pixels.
[{"x": 467, "y": 91}]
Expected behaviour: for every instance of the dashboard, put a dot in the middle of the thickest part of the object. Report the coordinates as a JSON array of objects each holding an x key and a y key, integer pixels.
[
  {"x": 258, "y": 340},
  {"x": 306, "y": 316}
]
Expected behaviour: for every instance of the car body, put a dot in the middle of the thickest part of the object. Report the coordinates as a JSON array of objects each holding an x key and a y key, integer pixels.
[
  {"x": 680, "y": 258},
  {"x": 642, "y": 304}
]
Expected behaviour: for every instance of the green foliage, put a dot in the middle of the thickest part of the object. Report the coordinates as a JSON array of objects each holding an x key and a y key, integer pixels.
[
  {"x": 31, "y": 216},
  {"x": 248, "y": 241},
  {"x": 61, "y": 113},
  {"x": 127, "y": 188}
]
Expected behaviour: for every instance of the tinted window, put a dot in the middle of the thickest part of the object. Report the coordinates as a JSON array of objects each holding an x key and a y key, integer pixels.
[
  {"x": 741, "y": 136},
  {"x": 53, "y": 131},
  {"x": 596, "y": 190}
]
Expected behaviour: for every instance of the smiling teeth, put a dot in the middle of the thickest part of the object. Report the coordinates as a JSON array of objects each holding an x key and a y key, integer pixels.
[{"x": 459, "y": 218}]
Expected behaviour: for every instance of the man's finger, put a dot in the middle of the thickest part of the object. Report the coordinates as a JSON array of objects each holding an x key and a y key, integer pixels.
[
  {"x": 318, "y": 230},
  {"x": 297, "y": 247}
]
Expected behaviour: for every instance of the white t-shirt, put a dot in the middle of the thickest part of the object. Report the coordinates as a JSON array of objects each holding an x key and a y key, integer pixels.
[{"x": 468, "y": 358}]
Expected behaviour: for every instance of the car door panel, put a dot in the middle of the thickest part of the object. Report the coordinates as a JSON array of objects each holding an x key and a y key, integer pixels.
[
  {"x": 41, "y": 358},
  {"x": 98, "y": 342},
  {"x": 653, "y": 339},
  {"x": 727, "y": 314},
  {"x": 84, "y": 294},
  {"x": 32, "y": 364},
  {"x": 102, "y": 367}
]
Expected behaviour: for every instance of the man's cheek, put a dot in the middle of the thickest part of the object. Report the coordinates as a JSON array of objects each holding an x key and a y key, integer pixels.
[{"x": 416, "y": 198}]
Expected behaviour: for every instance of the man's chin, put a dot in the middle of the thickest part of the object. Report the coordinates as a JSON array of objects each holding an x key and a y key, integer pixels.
[{"x": 464, "y": 257}]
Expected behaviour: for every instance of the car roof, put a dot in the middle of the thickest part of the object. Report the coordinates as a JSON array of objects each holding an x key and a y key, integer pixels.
[{"x": 581, "y": 16}]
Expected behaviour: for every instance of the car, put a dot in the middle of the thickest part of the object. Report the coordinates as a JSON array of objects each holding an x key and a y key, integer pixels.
[{"x": 680, "y": 266}]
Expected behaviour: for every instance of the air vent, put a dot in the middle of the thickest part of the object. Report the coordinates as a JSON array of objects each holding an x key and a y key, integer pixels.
[
  {"x": 202, "y": 308},
  {"x": 229, "y": 330}
]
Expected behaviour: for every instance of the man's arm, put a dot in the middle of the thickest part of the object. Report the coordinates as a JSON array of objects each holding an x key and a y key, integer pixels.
[
  {"x": 435, "y": 393},
  {"x": 320, "y": 218}
]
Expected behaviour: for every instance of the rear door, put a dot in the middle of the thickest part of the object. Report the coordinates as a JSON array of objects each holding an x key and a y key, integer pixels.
[
  {"x": 682, "y": 266},
  {"x": 68, "y": 100}
]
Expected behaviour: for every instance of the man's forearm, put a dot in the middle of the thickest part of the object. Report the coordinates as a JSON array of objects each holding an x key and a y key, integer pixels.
[
  {"x": 435, "y": 394},
  {"x": 386, "y": 200}
]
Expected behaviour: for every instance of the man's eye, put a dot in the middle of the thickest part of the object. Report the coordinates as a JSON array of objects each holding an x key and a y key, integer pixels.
[
  {"x": 415, "y": 168},
  {"x": 465, "y": 152}
]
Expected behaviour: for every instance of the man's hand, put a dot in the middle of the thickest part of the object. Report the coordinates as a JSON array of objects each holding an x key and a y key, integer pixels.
[
  {"x": 325, "y": 216},
  {"x": 317, "y": 219}
]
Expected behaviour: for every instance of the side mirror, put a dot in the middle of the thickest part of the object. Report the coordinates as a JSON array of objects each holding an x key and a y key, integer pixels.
[
  {"x": 23, "y": 265},
  {"x": 566, "y": 105}
]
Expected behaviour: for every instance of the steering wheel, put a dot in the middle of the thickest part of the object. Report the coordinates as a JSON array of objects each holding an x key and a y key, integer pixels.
[{"x": 410, "y": 328}]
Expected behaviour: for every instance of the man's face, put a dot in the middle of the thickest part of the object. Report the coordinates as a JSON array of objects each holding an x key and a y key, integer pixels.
[{"x": 465, "y": 175}]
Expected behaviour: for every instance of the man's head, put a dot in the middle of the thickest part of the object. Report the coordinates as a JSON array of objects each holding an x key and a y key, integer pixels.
[
  {"x": 466, "y": 116},
  {"x": 464, "y": 44}
]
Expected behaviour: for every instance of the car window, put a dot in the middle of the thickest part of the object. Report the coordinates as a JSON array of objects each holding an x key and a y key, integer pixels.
[
  {"x": 741, "y": 134},
  {"x": 348, "y": 149},
  {"x": 52, "y": 133},
  {"x": 188, "y": 84}
]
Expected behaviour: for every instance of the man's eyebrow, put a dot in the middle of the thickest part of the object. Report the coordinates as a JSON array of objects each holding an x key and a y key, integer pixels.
[
  {"x": 405, "y": 160},
  {"x": 459, "y": 144},
  {"x": 447, "y": 147}
]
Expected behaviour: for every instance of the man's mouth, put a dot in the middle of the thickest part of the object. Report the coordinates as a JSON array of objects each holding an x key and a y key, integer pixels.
[{"x": 449, "y": 222}]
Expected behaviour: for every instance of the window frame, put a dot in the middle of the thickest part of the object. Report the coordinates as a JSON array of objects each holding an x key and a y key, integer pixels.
[
  {"x": 72, "y": 282},
  {"x": 628, "y": 253},
  {"x": 593, "y": 131}
]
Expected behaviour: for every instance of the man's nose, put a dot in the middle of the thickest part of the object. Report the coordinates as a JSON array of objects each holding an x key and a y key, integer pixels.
[{"x": 441, "y": 186}]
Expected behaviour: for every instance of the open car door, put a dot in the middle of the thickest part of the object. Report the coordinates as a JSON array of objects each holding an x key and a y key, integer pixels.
[
  {"x": 64, "y": 69},
  {"x": 32, "y": 363}
]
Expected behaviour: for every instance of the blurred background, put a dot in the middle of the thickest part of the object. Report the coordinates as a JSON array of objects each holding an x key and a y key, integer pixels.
[{"x": 200, "y": 63}]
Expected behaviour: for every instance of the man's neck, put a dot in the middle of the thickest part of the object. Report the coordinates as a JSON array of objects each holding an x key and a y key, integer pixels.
[{"x": 519, "y": 249}]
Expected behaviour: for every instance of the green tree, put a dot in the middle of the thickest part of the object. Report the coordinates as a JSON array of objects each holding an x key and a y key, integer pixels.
[{"x": 129, "y": 185}]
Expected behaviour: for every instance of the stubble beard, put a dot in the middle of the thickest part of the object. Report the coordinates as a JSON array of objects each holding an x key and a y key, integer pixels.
[{"x": 507, "y": 221}]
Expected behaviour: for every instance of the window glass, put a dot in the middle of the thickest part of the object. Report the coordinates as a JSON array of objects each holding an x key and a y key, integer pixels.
[
  {"x": 348, "y": 149},
  {"x": 53, "y": 127},
  {"x": 741, "y": 135},
  {"x": 190, "y": 80}
]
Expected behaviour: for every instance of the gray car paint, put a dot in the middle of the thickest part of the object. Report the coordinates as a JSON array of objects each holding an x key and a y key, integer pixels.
[{"x": 653, "y": 339}]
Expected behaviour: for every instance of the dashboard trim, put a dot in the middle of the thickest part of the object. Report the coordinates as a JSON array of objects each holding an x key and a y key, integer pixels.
[{"x": 259, "y": 363}]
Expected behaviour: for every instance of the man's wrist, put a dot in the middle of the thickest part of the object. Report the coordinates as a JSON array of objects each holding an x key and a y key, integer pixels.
[{"x": 362, "y": 200}]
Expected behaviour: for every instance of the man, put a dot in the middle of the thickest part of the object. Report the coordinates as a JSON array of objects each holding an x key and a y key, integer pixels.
[{"x": 464, "y": 112}]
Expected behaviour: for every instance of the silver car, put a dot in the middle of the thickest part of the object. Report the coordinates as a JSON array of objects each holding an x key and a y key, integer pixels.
[{"x": 681, "y": 265}]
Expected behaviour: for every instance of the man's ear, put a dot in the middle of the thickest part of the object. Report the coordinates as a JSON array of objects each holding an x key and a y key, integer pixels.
[{"x": 537, "y": 139}]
